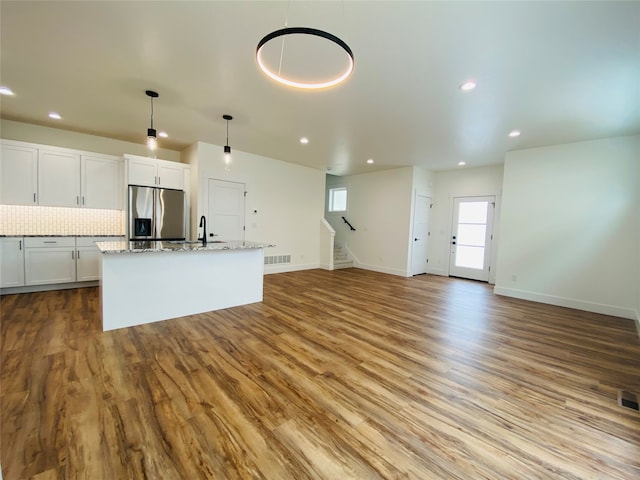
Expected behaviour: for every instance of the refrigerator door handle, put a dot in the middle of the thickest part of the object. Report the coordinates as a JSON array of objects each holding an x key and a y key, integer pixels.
[{"x": 156, "y": 211}]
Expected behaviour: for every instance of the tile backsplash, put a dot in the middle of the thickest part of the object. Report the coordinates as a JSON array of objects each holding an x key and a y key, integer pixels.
[{"x": 28, "y": 220}]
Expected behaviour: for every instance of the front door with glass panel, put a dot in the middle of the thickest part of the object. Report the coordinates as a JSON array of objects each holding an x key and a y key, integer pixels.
[{"x": 471, "y": 237}]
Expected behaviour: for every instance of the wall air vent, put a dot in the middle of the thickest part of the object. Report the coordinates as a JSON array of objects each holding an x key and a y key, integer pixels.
[{"x": 276, "y": 259}]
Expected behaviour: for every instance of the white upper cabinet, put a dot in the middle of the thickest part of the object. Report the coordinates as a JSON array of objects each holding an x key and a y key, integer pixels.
[
  {"x": 101, "y": 182},
  {"x": 18, "y": 175},
  {"x": 171, "y": 175},
  {"x": 58, "y": 178},
  {"x": 142, "y": 171},
  {"x": 151, "y": 172}
]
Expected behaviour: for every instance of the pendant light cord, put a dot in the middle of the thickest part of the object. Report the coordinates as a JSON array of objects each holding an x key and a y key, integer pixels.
[
  {"x": 152, "y": 113},
  {"x": 286, "y": 24}
]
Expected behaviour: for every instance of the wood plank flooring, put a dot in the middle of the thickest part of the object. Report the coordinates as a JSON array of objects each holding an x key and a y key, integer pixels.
[{"x": 347, "y": 374}]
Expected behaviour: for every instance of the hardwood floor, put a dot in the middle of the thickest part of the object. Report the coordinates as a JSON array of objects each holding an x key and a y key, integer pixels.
[{"x": 347, "y": 374}]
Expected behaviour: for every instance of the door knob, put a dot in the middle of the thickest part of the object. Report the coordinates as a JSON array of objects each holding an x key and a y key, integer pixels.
[{"x": 415, "y": 239}]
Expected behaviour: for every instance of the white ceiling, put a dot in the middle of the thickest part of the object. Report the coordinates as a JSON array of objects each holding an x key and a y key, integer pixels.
[{"x": 558, "y": 71}]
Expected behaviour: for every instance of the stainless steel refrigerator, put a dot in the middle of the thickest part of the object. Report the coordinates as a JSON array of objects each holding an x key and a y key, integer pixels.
[{"x": 156, "y": 213}]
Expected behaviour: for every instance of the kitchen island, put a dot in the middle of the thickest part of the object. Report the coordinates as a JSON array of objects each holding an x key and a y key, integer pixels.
[{"x": 144, "y": 282}]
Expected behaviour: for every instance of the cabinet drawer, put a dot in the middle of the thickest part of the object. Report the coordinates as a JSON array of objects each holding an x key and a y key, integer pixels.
[{"x": 39, "y": 242}]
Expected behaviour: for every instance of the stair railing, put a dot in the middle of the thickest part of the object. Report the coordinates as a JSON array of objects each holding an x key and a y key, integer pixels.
[{"x": 350, "y": 226}]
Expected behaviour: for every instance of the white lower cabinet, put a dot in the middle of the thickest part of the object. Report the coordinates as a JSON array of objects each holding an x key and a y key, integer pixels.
[
  {"x": 49, "y": 260},
  {"x": 35, "y": 261},
  {"x": 11, "y": 262},
  {"x": 88, "y": 257},
  {"x": 87, "y": 264}
]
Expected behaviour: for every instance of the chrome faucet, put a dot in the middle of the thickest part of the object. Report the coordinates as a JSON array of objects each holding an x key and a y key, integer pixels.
[{"x": 203, "y": 224}]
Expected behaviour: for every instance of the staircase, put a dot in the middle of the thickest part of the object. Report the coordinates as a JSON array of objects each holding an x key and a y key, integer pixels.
[{"x": 340, "y": 257}]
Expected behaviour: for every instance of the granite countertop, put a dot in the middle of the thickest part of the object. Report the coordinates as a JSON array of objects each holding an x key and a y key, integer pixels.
[
  {"x": 176, "y": 246},
  {"x": 46, "y": 236}
]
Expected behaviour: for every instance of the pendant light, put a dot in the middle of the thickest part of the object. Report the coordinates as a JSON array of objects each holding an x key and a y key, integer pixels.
[
  {"x": 265, "y": 56},
  {"x": 152, "y": 142},
  {"x": 227, "y": 148},
  {"x": 278, "y": 76}
]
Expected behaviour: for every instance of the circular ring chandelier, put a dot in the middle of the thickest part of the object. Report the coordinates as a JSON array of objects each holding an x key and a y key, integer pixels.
[{"x": 304, "y": 31}]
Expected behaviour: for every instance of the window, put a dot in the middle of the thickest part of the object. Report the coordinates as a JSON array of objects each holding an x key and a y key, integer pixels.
[{"x": 338, "y": 199}]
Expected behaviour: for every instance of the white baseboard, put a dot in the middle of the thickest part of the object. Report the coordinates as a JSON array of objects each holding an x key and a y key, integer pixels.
[
  {"x": 437, "y": 271},
  {"x": 269, "y": 269},
  {"x": 377, "y": 268},
  {"x": 350, "y": 255},
  {"x": 568, "y": 302},
  {"x": 374, "y": 268}
]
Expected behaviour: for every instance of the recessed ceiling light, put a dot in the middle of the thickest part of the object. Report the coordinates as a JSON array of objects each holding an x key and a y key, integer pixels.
[
  {"x": 163, "y": 134},
  {"x": 462, "y": 164},
  {"x": 6, "y": 91},
  {"x": 55, "y": 115},
  {"x": 304, "y": 140},
  {"x": 370, "y": 161},
  {"x": 514, "y": 133},
  {"x": 468, "y": 85}
]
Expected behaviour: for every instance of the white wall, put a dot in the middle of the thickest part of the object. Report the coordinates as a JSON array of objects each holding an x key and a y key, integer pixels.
[
  {"x": 462, "y": 182},
  {"x": 26, "y": 132},
  {"x": 379, "y": 207},
  {"x": 423, "y": 181},
  {"x": 287, "y": 199},
  {"x": 569, "y": 225}
]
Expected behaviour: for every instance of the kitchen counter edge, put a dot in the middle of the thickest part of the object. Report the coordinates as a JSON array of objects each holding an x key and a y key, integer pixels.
[{"x": 151, "y": 246}]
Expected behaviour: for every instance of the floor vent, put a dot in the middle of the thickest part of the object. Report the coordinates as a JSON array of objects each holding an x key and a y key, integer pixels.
[
  {"x": 628, "y": 400},
  {"x": 277, "y": 259}
]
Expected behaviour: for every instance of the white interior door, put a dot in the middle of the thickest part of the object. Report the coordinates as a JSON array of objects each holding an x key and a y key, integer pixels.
[
  {"x": 471, "y": 237},
  {"x": 420, "y": 234},
  {"x": 225, "y": 219}
]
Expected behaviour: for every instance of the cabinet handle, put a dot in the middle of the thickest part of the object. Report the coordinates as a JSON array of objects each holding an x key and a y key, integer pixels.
[
  {"x": 50, "y": 241},
  {"x": 155, "y": 180},
  {"x": 82, "y": 199},
  {"x": 19, "y": 244},
  {"x": 78, "y": 255},
  {"x": 34, "y": 198},
  {"x": 158, "y": 179},
  {"x": 72, "y": 256},
  {"x": 77, "y": 200}
]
